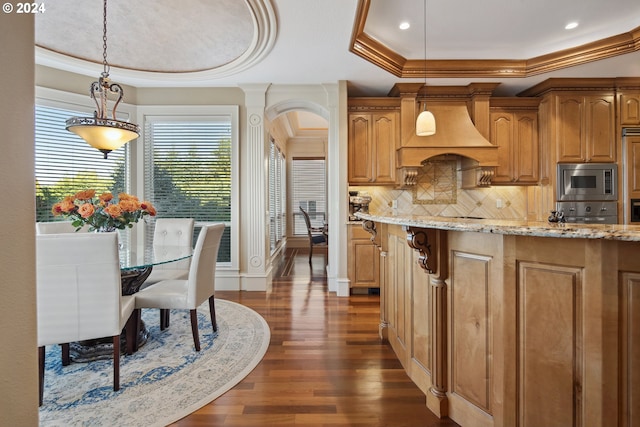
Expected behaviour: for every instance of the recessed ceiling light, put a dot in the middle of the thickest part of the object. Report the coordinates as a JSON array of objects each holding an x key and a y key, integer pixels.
[
  {"x": 404, "y": 25},
  {"x": 571, "y": 26}
]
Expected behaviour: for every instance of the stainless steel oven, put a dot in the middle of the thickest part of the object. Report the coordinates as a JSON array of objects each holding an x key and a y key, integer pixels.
[
  {"x": 588, "y": 192},
  {"x": 587, "y": 181},
  {"x": 589, "y": 212}
]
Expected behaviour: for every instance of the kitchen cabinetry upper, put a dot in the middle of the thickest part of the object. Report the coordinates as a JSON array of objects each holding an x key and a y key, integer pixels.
[
  {"x": 374, "y": 132},
  {"x": 629, "y": 104},
  {"x": 585, "y": 128},
  {"x": 515, "y": 132}
]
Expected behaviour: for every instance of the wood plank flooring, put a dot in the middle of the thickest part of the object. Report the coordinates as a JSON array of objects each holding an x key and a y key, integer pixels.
[{"x": 325, "y": 365}]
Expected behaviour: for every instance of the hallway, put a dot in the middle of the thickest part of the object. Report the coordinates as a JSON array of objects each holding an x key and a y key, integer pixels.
[{"x": 325, "y": 365}]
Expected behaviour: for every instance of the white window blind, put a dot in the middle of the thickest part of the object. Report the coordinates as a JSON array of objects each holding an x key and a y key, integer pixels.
[
  {"x": 277, "y": 196},
  {"x": 188, "y": 171},
  {"x": 308, "y": 191},
  {"x": 66, "y": 164}
]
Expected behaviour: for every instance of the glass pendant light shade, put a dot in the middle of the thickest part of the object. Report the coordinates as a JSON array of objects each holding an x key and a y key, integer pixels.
[
  {"x": 105, "y": 135},
  {"x": 425, "y": 124}
]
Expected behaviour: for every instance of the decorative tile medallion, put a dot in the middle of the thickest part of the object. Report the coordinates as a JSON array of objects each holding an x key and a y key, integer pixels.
[{"x": 436, "y": 183}]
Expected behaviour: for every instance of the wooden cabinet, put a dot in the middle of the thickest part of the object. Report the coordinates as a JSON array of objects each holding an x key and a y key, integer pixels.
[
  {"x": 372, "y": 148},
  {"x": 516, "y": 135},
  {"x": 585, "y": 128},
  {"x": 516, "y": 330},
  {"x": 632, "y": 156},
  {"x": 374, "y": 133},
  {"x": 363, "y": 258},
  {"x": 629, "y": 105}
]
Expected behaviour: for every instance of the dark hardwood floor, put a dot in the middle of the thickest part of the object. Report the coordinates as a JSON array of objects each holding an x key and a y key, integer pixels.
[{"x": 325, "y": 365}]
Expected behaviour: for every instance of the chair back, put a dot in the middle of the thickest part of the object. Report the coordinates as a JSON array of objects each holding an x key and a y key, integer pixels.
[
  {"x": 172, "y": 238},
  {"x": 202, "y": 272},
  {"x": 307, "y": 221},
  {"x": 57, "y": 227},
  {"x": 78, "y": 287}
]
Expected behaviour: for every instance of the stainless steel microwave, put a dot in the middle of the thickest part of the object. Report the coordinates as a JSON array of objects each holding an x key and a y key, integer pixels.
[{"x": 587, "y": 181}]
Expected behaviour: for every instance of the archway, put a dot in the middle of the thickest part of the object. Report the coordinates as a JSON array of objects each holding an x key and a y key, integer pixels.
[{"x": 298, "y": 133}]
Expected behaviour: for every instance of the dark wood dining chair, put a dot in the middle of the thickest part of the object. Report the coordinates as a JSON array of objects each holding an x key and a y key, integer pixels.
[{"x": 318, "y": 236}]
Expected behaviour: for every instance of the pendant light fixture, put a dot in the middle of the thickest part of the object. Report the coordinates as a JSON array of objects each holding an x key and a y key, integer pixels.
[
  {"x": 101, "y": 132},
  {"x": 426, "y": 122}
]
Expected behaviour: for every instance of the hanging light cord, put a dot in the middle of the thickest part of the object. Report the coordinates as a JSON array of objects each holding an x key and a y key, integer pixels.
[{"x": 425, "y": 49}]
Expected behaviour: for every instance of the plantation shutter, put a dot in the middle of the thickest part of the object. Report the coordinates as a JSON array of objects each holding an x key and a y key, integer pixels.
[
  {"x": 188, "y": 171},
  {"x": 308, "y": 192}
]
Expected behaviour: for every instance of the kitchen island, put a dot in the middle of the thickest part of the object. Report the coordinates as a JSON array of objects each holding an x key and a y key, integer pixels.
[{"x": 514, "y": 323}]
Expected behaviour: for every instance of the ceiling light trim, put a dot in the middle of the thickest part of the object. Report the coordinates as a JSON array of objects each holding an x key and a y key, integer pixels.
[
  {"x": 383, "y": 57},
  {"x": 265, "y": 33}
]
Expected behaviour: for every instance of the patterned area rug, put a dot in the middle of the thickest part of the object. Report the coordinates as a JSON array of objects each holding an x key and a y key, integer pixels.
[{"x": 165, "y": 380}]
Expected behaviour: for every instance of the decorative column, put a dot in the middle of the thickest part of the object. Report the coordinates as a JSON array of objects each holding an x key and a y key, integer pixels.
[
  {"x": 370, "y": 227},
  {"x": 431, "y": 244},
  {"x": 255, "y": 273}
]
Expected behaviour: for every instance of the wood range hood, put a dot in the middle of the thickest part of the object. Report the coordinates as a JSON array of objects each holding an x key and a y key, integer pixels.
[{"x": 456, "y": 137}]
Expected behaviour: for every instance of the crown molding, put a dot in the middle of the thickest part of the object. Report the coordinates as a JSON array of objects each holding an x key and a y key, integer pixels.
[{"x": 382, "y": 56}]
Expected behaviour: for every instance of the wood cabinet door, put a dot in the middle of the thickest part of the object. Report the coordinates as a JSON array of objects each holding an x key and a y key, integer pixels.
[
  {"x": 632, "y": 171},
  {"x": 363, "y": 259},
  {"x": 502, "y": 136},
  {"x": 516, "y": 135},
  {"x": 360, "y": 149},
  {"x": 366, "y": 270},
  {"x": 570, "y": 129},
  {"x": 630, "y": 109},
  {"x": 526, "y": 147},
  {"x": 385, "y": 135},
  {"x": 600, "y": 134}
]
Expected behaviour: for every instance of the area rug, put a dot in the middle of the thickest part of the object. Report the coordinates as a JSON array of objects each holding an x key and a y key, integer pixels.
[{"x": 165, "y": 380}]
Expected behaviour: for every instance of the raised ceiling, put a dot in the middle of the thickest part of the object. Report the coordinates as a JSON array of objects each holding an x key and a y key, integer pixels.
[{"x": 230, "y": 42}]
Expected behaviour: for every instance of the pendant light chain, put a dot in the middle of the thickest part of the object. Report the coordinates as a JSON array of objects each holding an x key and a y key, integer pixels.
[{"x": 105, "y": 64}]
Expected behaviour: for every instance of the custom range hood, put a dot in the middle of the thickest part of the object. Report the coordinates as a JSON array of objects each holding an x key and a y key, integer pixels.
[{"x": 456, "y": 138}]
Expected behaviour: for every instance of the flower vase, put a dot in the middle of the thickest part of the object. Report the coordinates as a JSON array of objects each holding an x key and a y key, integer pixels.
[{"x": 110, "y": 229}]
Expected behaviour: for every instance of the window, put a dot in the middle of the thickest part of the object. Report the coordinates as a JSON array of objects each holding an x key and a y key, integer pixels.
[
  {"x": 277, "y": 196},
  {"x": 188, "y": 171},
  {"x": 308, "y": 191},
  {"x": 66, "y": 164}
]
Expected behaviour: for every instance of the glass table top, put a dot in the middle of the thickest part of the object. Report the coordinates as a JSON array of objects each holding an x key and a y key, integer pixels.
[{"x": 131, "y": 259}]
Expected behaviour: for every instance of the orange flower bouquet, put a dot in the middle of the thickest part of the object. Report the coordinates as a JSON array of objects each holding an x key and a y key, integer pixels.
[{"x": 103, "y": 213}]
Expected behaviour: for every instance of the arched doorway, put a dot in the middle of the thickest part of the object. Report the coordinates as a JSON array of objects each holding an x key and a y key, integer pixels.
[{"x": 298, "y": 137}]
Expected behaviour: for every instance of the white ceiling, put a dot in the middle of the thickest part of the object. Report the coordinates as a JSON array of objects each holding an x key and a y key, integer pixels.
[{"x": 229, "y": 42}]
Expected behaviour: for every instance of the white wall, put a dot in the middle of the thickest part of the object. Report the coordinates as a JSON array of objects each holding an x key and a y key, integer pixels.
[{"x": 18, "y": 353}]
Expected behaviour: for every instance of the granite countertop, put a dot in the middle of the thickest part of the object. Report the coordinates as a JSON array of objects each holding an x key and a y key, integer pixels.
[{"x": 511, "y": 227}]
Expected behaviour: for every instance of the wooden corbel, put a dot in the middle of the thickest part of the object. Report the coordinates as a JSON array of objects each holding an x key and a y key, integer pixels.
[{"x": 419, "y": 239}]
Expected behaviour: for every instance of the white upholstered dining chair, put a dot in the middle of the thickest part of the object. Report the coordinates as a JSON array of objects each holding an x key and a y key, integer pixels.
[
  {"x": 198, "y": 287},
  {"x": 172, "y": 236},
  {"x": 56, "y": 227},
  {"x": 79, "y": 295}
]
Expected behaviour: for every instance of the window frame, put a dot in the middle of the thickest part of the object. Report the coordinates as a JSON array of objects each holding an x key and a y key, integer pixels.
[
  {"x": 295, "y": 212},
  {"x": 53, "y": 98},
  {"x": 196, "y": 112}
]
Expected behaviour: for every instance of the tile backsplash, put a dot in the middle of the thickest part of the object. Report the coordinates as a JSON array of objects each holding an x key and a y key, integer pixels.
[{"x": 438, "y": 193}]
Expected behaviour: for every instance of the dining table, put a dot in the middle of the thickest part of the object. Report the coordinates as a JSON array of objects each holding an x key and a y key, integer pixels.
[{"x": 136, "y": 265}]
